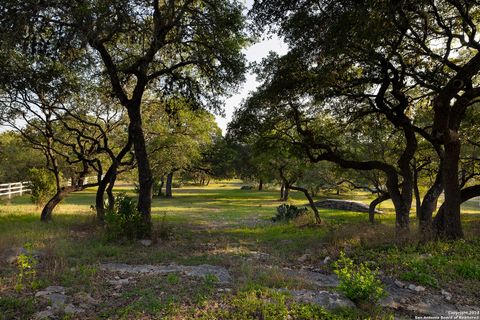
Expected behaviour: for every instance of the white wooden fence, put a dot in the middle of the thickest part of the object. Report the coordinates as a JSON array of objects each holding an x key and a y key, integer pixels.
[
  {"x": 15, "y": 188},
  {"x": 19, "y": 188}
]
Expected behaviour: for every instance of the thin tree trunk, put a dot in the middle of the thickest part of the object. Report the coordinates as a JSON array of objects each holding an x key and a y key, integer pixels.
[
  {"x": 416, "y": 191},
  {"x": 160, "y": 186},
  {"x": 260, "y": 185},
  {"x": 310, "y": 201},
  {"x": 168, "y": 186},
  {"x": 282, "y": 189}
]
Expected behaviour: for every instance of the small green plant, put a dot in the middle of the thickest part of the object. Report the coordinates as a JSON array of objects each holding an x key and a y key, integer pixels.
[
  {"x": 27, "y": 274},
  {"x": 287, "y": 212},
  {"x": 124, "y": 220},
  {"x": 420, "y": 273},
  {"x": 358, "y": 282},
  {"x": 173, "y": 278},
  {"x": 42, "y": 185}
]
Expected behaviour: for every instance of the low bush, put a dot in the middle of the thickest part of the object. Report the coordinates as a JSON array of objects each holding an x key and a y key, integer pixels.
[
  {"x": 42, "y": 185},
  {"x": 358, "y": 282},
  {"x": 286, "y": 212},
  {"x": 124, "y": 220}
]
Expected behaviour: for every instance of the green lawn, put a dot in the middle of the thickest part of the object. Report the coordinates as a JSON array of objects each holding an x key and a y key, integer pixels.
[{"x": 222, "y": 225}]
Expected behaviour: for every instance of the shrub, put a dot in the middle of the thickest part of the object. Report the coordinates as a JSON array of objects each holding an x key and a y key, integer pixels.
[
  {"x": 124, "y": 220},
  {"x": 358, "y": 282},
  {"x": 286, "y": 212},
  {"x": 42, "y": 185}
]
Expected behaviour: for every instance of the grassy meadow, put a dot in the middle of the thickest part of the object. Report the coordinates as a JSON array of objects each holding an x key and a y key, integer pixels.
[{"x": 221, "y": 225}]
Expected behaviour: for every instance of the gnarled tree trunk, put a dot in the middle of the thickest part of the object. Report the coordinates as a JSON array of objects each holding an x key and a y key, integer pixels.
[{"x": 371, "y": 208}]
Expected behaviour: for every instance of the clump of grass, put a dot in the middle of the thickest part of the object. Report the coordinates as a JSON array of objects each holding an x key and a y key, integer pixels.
[{"x": 16, "y": 307}]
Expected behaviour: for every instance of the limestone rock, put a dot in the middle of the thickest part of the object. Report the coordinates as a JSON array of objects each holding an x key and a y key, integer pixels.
[
  {"x": 71, "y": 309},
  {"x": 326, "y": 299},
  {"x": 146, "y": 242},
  {"x": 204, "y": 270},
  {"x": 85, "y": 298},
  {"x": 304, "y": 257},
  {"x": 347, "y": 205},
  {"x": 416, "y": 288},
  {"x": 41, "y": 315},
  {"x": 447, "y": 295},
  {"x": 315, "y": 278}
]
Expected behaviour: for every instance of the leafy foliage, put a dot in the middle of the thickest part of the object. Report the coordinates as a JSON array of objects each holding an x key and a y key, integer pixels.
[
  {"x": 287, "y": 212},
  {"x": 358, "y": 282},
  {"x": 42, "y": 185},
  {"x": 125, "y": 220},
  {"x": 27, "y": 274}
]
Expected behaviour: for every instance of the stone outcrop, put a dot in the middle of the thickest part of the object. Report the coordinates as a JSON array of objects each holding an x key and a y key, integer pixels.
[
  {"x": 200, "y": 271},
  {"x": 347, "y": 205}
]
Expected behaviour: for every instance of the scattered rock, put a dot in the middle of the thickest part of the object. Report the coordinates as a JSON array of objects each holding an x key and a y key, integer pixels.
[
  {"x": 71, "y": 309},
  {"x": 204, "y": 270},
  {"x": 315, "y": 278},
  {"x": 431, "y": 308},
  {"x": 327, "y": 260},
  {"x": 57, "y": 300},
  {"x": 146, "y": 242},
  {"x": 50, "y": 290},
  {"x": 46, "y": 314},
  {"x": 10, "y": 256},
  {"x": 326, "y": 299},
  {"x": 304, "y": 257},
  {"x": 416, "y": 288},
  {"x": 85, "y": 298},
  {"x": 119, "y": 282},
  {"x": 258, "y": 256},
  {"x": 389, "y": 302},
  {"x": 399, "y": 284},
  {"x": 447, "y": 295}
]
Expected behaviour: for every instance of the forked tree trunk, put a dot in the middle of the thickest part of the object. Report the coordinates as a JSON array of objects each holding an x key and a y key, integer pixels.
[{"x": 428, "y": 206}]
